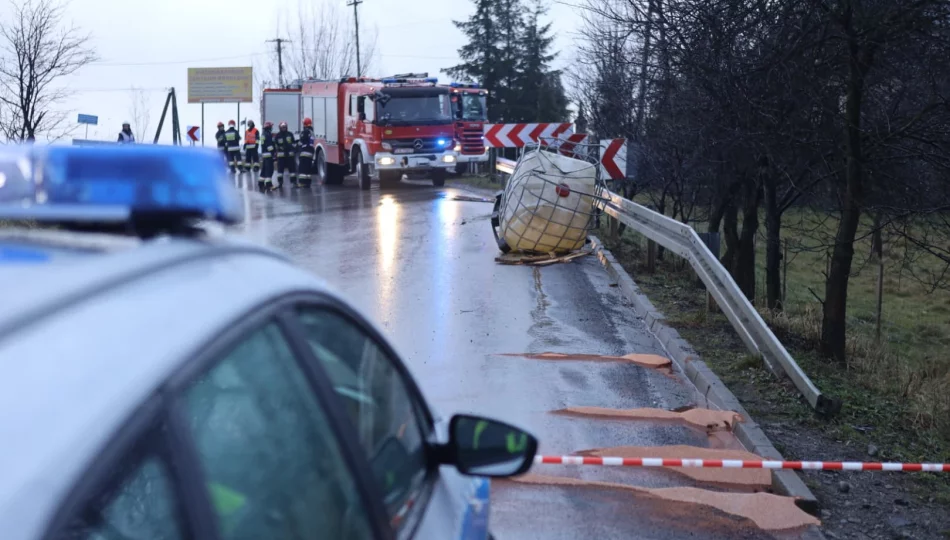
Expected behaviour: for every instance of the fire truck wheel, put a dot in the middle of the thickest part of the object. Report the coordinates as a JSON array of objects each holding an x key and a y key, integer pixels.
[
  {"x": 388, "y": 179},
  {"x": 321, "y": 167},
  {"x": 438, "y": 177},
  {"x": 362, "y": 171}
]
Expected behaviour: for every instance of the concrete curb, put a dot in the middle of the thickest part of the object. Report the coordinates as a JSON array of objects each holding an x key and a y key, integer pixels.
[{"x": 749, "y": 433}]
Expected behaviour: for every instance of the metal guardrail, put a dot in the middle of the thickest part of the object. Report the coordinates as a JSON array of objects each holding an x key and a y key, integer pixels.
[{"x": 682, "y": 240}]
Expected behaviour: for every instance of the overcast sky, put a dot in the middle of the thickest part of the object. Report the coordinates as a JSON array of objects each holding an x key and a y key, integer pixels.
[{"x": 151, "y": 45}]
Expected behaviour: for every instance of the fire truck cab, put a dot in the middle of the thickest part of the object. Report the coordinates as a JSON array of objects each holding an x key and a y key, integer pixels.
[
  {"x": 470, "y": 111},
  {"x": 385, "y": 127}
]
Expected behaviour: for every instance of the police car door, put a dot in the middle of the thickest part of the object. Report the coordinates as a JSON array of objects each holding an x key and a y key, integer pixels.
[{"x": 394, "y": 426}]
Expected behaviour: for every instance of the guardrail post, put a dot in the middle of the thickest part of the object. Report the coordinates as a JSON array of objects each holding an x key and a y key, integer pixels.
[
  {"x": 651, "y": 256},
  {"x": 713, "y": 242},
  {"x": 493, "y": 165}
]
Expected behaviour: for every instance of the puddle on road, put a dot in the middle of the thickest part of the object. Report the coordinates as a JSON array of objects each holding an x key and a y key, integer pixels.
[
  {"x": 767, "y": 511},
  {"x": 653, "y": 361},
  {"x": 707, "y": 420},
  {"x": 744, "y": 479}
]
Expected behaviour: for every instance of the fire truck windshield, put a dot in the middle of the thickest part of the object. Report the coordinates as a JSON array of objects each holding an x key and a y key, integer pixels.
[
  {"x": 407, "y": 110},
  {"x": 474, "y": 107}
]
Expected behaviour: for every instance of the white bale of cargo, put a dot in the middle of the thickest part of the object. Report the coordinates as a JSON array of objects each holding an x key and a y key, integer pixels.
[{"x": 548, "y": 203}]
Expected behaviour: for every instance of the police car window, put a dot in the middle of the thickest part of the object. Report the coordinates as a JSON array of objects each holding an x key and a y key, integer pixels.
[
  {"x": 142, "y": 506},
  {"x": 274, "y": 468},
  {"x": 380, "y": 405}
]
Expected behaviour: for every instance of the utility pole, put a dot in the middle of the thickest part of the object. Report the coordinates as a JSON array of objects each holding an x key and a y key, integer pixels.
[
  {"x": 280, "y": 58},
  {"x": 356, "y": 18}
]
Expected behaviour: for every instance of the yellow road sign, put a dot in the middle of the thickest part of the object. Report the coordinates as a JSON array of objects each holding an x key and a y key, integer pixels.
[{"x": 220, "y": 85}]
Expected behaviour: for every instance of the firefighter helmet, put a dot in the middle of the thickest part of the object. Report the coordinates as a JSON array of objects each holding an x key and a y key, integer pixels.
[
  {"x": 230, "y": 123},
  {"x": 282, "y": 125},
  {"x": 307, "y": 122},
  {"x": 268, "y": 125},
  {"x": 250, "y": 123},
  {"x": 221, "y": 124}
]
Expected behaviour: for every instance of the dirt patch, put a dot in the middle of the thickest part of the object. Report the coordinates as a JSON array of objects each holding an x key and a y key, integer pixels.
[
  {"x": 745, "y": 479},
  {"x": 769, "y": 512}
]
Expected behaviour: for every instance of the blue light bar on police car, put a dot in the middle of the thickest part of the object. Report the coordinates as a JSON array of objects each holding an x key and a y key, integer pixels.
[{"x": 114, "y": 184}]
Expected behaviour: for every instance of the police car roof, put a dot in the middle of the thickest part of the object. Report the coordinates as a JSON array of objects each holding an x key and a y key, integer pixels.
[{"x": 90, "y": 327}]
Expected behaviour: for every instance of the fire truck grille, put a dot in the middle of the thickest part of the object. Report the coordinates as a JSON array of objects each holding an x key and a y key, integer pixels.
[
  {"x": 473, "y": 142},
  {"x": 429, "y": 145}
]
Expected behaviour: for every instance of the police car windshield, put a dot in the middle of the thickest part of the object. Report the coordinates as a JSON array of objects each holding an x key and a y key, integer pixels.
[
  {"x": 413, "y": 110},
  {"x": 473, "y": 107}
]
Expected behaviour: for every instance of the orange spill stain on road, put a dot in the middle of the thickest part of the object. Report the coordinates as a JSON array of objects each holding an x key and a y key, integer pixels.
[
  {"x": 769, "y": 512},
  {"x": 705, "y": 419},
  {"x": 645, "y": 360},
  {"x": 751, "y": 479}
]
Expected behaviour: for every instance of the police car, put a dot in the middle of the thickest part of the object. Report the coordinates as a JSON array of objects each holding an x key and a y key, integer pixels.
[{"x": 160, "y": 382}]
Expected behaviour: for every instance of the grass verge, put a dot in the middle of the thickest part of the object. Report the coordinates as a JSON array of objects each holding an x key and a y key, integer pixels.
[{"x": 880, "y": 419}]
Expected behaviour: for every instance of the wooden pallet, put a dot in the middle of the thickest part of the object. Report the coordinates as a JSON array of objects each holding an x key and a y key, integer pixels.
[{"x": 541, "y": 260}]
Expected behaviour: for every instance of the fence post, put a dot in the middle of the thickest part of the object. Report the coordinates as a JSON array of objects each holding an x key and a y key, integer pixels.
[{"x": 785, "y": 273}]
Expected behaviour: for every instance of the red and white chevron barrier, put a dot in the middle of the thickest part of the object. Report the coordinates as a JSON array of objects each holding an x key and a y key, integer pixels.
[
  {"x": 613, "y": 158},
  {"x": 740, "y": 464},
  {"x": 518, "y": 135},
  {"x": 613, "y": 152}
]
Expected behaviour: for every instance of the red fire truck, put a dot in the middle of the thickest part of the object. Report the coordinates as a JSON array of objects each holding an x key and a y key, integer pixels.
[
  {"x": 389, "y": 126},
  {"x": 470, "y": 109}
]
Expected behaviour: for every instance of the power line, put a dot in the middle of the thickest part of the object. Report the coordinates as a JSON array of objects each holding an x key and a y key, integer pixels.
[
  {"x": 126, "y": 89},
  {"x": 304, "y": 49},
  {"x": 172, "y": 62}
]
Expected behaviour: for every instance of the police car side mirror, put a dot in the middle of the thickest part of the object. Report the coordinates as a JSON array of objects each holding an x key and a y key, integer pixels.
[{"x": 482, "y": 447}]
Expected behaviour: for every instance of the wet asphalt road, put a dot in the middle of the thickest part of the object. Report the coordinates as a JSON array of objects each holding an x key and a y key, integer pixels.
[{"x": 422, "y": 265}]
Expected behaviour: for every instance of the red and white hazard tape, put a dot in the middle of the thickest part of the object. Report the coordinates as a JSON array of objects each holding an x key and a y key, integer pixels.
[{"x": 740, "y": 464}]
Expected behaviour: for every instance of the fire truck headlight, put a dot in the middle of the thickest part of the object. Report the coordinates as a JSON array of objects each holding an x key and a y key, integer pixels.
[
  {"x": 458, "y": 147},
  {"x": 386, "y": 161},
  {"x": 448, "y": 159}
]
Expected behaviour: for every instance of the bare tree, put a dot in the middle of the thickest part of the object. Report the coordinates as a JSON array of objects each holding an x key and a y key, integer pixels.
[
  {"x": 322, "y": 45},
  {"x": 140, "y": 113},
  {"x": 37, "y": 48}
]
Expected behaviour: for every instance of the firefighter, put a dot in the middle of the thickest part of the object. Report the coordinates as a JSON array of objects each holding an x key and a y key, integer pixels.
[
  {"x": 233, "y": 139},
  {"x": 305, "y": 156},
  {"x": 222, "y": 143},
  {"x": 125, "y": 136},
  {"x": 285, "y": 155},
  {"x": 251, "y": 140},
  {"x": 269, "y": 152}
]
